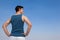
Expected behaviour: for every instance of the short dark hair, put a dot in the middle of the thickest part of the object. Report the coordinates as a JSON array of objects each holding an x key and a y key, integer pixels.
[{"x": 18, "y": 7}]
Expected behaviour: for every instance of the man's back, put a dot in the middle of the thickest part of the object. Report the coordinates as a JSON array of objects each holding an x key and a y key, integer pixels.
[{"x": 17, "y": 25}]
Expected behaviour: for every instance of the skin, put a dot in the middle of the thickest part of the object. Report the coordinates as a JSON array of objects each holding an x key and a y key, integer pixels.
[{"x": 24, "y": 19}]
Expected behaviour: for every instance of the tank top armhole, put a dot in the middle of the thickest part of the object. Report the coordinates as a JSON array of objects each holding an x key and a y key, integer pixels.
[
  {"x": 10, "y": 19},
  {"x": 22, "y": 18}
]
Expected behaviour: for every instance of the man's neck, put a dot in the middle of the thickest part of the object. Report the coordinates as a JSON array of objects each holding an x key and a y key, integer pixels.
[{"x": 18, "y": 13}]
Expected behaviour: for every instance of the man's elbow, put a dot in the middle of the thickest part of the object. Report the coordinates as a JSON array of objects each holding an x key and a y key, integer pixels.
[
  {"x": 30, "y": 25},
  {"x": 3, "y": 26}
]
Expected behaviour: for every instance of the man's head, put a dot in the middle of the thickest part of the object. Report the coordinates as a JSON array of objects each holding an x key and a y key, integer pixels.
[{"x": 19, "y": 9}]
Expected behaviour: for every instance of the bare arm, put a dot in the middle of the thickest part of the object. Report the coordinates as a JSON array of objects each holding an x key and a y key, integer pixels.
[
  {"x": 29, "y": 25},
  {"x": 4, "y": 26}
]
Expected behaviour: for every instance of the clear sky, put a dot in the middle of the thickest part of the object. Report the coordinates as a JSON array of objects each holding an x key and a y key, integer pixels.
[{"x": 44, "y": 15}]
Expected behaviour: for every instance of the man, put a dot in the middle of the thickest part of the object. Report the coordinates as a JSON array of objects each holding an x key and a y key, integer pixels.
[{"x": 17, "y": 20}]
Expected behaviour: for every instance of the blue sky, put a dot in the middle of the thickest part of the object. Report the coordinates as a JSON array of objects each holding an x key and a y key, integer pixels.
[{"x": 44, "y": 15}]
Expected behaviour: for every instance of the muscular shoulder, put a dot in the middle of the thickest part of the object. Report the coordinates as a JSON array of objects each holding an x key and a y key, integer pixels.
[
  {"x": 24, "y": 17},
  {"x": 27, "y": 20}
]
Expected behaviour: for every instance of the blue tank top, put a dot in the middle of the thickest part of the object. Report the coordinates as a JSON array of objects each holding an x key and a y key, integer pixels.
[{"x": 17, "y": 25}]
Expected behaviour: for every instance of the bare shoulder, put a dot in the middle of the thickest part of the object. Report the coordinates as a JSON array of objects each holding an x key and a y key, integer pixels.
[
  {"x": 9, "y": 19},
  {"x": 24, "y": 16}
]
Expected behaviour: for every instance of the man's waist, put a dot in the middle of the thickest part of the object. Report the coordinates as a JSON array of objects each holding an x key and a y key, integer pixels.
[{"x": 17, "y": 34}]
